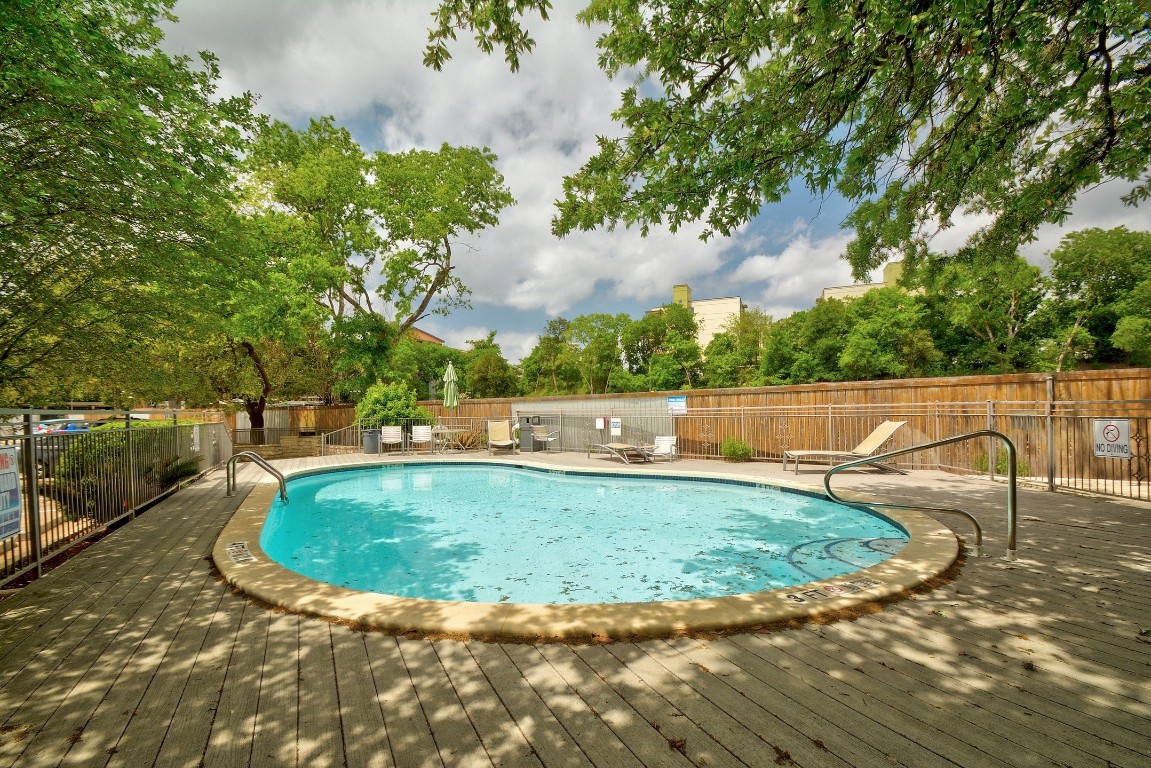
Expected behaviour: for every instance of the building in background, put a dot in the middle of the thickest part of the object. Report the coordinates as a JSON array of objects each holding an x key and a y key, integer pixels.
[
  {"x": 711, "y": 315},
  {"x": 424, "y": 337},
  {"x": 891, "y": 274}
]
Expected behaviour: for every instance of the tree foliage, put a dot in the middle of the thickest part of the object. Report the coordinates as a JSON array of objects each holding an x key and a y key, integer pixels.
[
  {"x": 486, "y": 372},
  {"x": 913, "y": 113},
  {"x": 115, "y": 161},
  {"x": 981, "y": 311},
  {"x": 661, "y": 346},
  {"x": 365, "y": 240},
  {"x": 1101, "y": 286},
  {"x": 733, "y": 356},
  {"x": 375, "y": 232},
  {"x": 390, "y": 404}
]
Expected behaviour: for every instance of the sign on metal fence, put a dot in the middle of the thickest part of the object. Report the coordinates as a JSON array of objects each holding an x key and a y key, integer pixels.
[
  {"x": 677, "y": 405},
  {"x": 10, "y": 506},
  {"x": 1112, "y": 438}
]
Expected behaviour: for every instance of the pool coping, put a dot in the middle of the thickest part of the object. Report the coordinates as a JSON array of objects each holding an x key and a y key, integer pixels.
[{"x": 237, "y": 554}]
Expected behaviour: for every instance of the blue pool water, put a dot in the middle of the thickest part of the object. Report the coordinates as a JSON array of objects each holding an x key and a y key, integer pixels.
[{"x": 484, "y": 533}]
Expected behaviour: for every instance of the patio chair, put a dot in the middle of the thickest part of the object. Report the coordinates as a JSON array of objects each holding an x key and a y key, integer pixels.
[
  {"x": 545, "y": 435},
  {"x": 500, "y": 437},
  {"x": 870, "y": 445},
  {"x": 392, "y": 436},
  {"x": 625, "y": 452},
  {"x": 664, "y": 448},
  {"x": 422, "y": 435}
]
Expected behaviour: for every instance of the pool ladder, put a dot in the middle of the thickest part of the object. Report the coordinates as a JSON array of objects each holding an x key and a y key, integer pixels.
[
  {"x": 257, "y": 459},
  {"x": 977, "y": 549}
]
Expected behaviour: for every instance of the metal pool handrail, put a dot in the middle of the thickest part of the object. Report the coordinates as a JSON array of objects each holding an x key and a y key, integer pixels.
[
  {"x": 1011, "y": 503},
  {"x": 257, "y": 459}
]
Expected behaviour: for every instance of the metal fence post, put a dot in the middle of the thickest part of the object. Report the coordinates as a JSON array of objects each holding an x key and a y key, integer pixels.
[
  {"x": 991, "y": 448},
  {"x": 830, "y": 428},
  {"x": 131, "y": 469},
  {"x": 1050, "y": 413},
  {"x": 32, "y": 495}
]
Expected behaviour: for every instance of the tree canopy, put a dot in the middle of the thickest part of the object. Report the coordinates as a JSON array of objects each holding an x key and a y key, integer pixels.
[
  {"x": 914, "y": 113},
  {"x": 115, "y": 163},
  {"x": 368, "y": 239}
]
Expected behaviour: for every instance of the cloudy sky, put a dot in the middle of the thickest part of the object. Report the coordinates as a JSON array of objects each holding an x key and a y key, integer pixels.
[{"x": 360, "y": 61}]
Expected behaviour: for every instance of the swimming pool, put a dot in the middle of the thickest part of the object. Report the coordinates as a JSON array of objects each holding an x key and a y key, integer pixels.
[
  {"x": 496, "y": 533},
  {"x": 244, "y": 564}
]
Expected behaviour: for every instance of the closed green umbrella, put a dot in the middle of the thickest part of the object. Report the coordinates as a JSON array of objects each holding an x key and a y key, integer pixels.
[{"x": 451, "y": 388}]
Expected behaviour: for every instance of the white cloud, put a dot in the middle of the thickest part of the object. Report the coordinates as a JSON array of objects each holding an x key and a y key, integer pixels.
[
  {"x": 514, "y": 345},
  {"x": 793, "y": 278},
  {"x": 362, "y": 62}
]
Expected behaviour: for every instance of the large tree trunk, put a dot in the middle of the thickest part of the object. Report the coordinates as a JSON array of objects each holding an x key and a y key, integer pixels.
[{"x": 255, "y": 408}]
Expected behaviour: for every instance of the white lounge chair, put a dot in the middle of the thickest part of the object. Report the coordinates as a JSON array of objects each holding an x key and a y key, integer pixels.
[
  {"x": 625, "y": 452},
  {"x": 421, "y": 435},
  {"x": 545, "y": 435},
  {"x": 664, "y": 448},
  {"x": 870, "y": 445},
  {"x": 500, "y": 437},
  {"x": 391, "y": 436}
]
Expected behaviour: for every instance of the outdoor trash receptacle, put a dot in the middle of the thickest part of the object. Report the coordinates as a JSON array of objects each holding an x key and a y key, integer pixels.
[
  {"x": 371, "y": 441},
  {"x": 527, "y": 442}
]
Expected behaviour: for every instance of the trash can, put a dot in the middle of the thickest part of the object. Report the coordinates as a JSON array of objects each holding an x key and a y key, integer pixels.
[
  {"x": 527, "y": 441},
  {"x": 371, "y": 441}
]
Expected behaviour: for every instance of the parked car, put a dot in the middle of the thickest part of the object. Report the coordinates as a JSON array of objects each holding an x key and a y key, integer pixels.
[
  {"x": 49, "y": 426},
  {"x": 57, "y": 434}
]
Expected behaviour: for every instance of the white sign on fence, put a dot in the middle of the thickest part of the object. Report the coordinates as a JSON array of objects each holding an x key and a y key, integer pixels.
[
  {"x": 677, "y": 405},
  {"x": 616, "y": 426},
  {"x": 10, "y": 506},
  {"x": 1112, "y": 438}
]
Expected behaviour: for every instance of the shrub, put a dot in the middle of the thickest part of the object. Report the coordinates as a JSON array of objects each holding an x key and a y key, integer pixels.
[
  {"x": 1022, "y": 468},
  {"x": 734, "y": 449},
  {"x": 390, "y": 405},
  {"x": 111, "y": 469}
]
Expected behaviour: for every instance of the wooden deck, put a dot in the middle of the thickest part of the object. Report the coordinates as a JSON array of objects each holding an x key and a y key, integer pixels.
[{"x": 132, "y": 654}]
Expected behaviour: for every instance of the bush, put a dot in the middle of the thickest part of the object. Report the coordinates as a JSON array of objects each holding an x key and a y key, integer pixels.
[
  {"x": 111, "y": 469},
  {"x": 734, "y": 449},
  {"x": 390, "y": 405},
  {"x": 1022, "y": 468}
]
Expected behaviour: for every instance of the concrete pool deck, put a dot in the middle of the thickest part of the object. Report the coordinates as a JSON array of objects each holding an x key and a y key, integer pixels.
[{"x": 134, "y": 653}]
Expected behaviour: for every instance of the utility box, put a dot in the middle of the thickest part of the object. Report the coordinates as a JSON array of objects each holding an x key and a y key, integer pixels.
[{"x": 527, "y": 442}]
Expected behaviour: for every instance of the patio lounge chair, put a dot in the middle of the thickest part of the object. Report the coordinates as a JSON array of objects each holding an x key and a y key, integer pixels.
[
  {"x": 664, "y": 448},
  {"x": 545, "y": 435},
  {"x": 870, "y": 445},
  {"x": 500, "y": 437},
  {"x": 623, "y": 451},
  {"x": 421, "y": 435},
  {"x": 392, "y": 436}
]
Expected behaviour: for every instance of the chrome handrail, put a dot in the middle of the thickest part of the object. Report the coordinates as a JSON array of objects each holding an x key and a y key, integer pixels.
[
  {"x": 258, "y": 460},
  {"x": 1011, "y": 503}
]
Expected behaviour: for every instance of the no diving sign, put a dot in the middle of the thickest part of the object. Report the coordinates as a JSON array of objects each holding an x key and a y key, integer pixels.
[{"x": 1112, "y": 438}]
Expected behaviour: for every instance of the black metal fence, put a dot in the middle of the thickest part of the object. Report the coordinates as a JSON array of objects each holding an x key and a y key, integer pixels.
[{"x": 59, "y": 488}]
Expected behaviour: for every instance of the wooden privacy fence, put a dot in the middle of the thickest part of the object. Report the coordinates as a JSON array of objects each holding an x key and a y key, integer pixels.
[{"x": 1050, "y": 418}]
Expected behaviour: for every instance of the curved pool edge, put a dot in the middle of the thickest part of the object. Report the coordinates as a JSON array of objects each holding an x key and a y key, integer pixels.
[{"x": 932, "y": 549}]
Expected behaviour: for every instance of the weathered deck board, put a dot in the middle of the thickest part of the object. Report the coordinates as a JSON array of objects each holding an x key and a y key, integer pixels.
[
  {"x": 134, "y": 655},
  {"x": 657, "y": 708},
  {"x": 828, "y": 719},
  {"x": 408, "y": 731},
  {"x": 364, "y": 729},
  {"x": 321, "y": 735},
  {"x": 599, "y": 743},
  {"x": 502, "y": 739},
  {"x": 550, "y": 740},
  {"x": 651, "y": 748}
]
